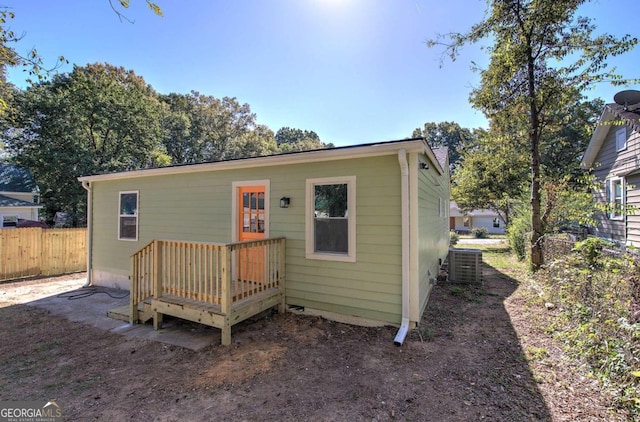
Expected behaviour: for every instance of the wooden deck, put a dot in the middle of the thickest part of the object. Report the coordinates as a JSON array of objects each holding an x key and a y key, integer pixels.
[{"x": 210, "y": 283}]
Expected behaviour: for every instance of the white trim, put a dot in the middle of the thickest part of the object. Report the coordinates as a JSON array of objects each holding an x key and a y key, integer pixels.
[
  {"x": 310, "y": 252},
  {"x": 406, "y": 248},
  {"x": 412, "y": 202},
  {"x": 597, "y": 139},
  {"x": 612, "y": 197},
  {"x": 136, "y": 215},
  {"x": 234, "y": 204},
  {"x": 345, "y": 153},
  {"x": 621, "y": 135}
]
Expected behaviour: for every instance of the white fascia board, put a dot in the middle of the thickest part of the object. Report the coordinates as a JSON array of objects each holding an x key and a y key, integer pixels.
[
  {"x": 276, "y": 160},
  {"x": 597, "y": 139}
]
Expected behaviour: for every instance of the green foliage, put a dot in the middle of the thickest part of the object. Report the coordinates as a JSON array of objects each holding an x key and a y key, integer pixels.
[
  {"x": 490, "y": 174},
  {"x": 201, "y": 128},
  {"x": 542, "y": 55},
  {"x": 98, "y": 118},
  {"x": 480, "y": 232},
  {"x": 449, "y": 135},
  {"x": 597, "y": 296},
  {"x": 518, "y": 231},
  {"x": 292, "y": 140},
  {"x": 568, "y": 203},
  {"x": 453, "y": 238},
  {"x": 591, "y": 250}
]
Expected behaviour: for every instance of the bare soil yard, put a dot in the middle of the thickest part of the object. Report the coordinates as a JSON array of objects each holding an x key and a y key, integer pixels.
[{"x": 478, "y": 354}]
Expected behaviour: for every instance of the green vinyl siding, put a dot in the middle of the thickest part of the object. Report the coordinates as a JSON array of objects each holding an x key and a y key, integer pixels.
[
  {"x": 433, "y": 230},
  {"x": 197, "y": 207}
]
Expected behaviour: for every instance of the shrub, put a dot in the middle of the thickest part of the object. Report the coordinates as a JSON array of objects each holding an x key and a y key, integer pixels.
[
  {"x": 453, "y": 238},
  {"x": 591, "y": 250},
  {"x": 518, "y": 233},
  {"x": 596, "y": 296},
  {"x": 480, "y": 232}
]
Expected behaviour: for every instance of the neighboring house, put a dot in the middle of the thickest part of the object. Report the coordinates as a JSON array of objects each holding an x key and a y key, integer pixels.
[
  {"x": 464, "y": 222},
  {"x": 19, "y": 197},
  {"x": 366, "y": 226},
  {"x": 613, "y": 155}
]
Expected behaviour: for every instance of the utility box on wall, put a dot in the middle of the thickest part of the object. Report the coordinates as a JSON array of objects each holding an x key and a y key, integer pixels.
[{"x": 465, "y": 265}]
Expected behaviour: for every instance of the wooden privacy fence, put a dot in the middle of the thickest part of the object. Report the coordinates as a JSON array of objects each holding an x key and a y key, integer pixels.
[
  {"x": 211, "y": 283},
  {"x": 26, "y": 252}
]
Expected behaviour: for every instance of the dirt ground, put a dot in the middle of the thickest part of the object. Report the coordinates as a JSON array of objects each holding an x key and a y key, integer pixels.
[{"x": 476, "y": 355}]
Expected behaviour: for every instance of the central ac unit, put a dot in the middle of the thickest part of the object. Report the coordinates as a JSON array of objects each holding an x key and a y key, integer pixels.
[{"x": 465, "y": 265}]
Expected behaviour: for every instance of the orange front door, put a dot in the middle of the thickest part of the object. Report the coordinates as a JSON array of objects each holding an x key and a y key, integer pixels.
[{"x": 251, "y": 226}]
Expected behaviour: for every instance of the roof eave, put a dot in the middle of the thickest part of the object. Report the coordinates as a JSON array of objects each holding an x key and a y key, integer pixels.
[
  {"x": 411, "y": 145},
  {"x": 597, "y": 139}
]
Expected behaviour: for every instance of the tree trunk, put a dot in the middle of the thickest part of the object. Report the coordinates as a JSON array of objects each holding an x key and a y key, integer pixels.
[{"x": 534, "y": 139}]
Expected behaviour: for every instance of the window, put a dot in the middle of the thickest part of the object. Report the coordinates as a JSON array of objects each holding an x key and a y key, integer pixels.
[
  {"x": 496, "y": 223},
  {"x": 128, "y": 216},
  {"x": 330, "y": 219},
  {"x": 616, "y": 198},
  {"x": 466, "y": 222},
  {"x": 621, "y": 138},
  {"x": 9, "y": 221}
]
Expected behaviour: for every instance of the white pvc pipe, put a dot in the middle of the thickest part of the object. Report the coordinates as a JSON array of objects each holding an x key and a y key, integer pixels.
[
  {"x": 404, "y": 190},
  {"x": 87, "y": 186}
]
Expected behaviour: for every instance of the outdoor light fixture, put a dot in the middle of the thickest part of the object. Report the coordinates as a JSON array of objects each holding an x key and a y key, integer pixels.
[{"x": 284, "y": 202}]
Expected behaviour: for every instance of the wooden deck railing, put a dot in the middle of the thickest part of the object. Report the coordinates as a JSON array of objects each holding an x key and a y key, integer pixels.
[{"x": 215, "y": 274}]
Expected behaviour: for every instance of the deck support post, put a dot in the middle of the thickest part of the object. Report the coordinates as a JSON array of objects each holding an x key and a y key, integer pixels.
[
  {"x": 133, "y": 294},
  {"x": 157, "y": 269},
  {"x": 226, "y": 332},
  {"x": 226, "y": 299},
  {"x": 281, "y": 277},
  {"x": 157, "y": 320},
  {"x": 157, "y": 281}
]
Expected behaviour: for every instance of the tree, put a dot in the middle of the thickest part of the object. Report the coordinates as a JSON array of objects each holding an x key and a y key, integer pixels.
[
  {"x": 291, "y": 139},
  {"x": 491, "y": 175},
  {"x": 540, "y": 50},
  {"x": 98, "y": 118},
  {"x": 201, "y": 128},
  {"x": 446, "y": 134}
]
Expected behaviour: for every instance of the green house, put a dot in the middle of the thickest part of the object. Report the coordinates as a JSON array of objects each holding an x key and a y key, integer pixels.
[{"x": 366, "y": 226}]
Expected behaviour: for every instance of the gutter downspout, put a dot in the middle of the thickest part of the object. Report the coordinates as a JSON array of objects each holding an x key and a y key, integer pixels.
[
  {"x": 404, "y": 190},
  {"x": 87, "y": 186}
]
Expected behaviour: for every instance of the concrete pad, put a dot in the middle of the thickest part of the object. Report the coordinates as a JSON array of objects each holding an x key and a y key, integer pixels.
[{"x": 90, "y": 305}]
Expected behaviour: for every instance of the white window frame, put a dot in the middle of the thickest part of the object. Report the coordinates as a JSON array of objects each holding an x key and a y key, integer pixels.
[
  {"x": 621, "y": 139},
  {"x": 496, "y": 222},
  {"x": 10, "y": 217},
  {"x": 136, "y": 215},
  {"x": 310, "y": 252},
  {"x": 612, "y": 198}
]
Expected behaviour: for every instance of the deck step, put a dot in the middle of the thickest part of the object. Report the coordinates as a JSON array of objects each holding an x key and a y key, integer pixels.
[{"x": 123, "y": 313}]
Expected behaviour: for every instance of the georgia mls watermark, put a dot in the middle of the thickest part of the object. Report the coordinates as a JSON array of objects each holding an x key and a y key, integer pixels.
[{"x": 30, "y": 411}]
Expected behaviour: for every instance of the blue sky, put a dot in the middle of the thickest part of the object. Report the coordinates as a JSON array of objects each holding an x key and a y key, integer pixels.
[{"x": 353, "y": 71}]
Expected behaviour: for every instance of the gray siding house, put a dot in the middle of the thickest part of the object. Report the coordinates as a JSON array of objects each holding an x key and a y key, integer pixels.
[
  {"x": 18, "y": 196},
  {"x": 613, "y": 155}
]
